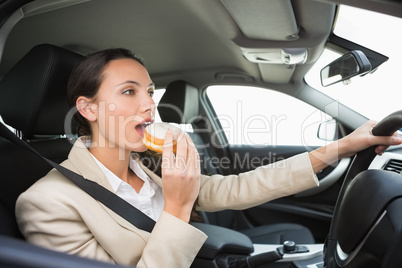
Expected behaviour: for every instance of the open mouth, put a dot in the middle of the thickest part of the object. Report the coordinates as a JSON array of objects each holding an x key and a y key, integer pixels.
[{"x": 140, "y": 127}]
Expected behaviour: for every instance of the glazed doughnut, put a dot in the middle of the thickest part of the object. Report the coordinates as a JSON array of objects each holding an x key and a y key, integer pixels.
[{"x": 155, "y": 133}]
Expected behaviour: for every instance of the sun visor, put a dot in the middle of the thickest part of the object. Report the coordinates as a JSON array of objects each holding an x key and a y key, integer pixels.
[
  {"x": 272, "y": 20},
  {"x": 288, "y": 56}
]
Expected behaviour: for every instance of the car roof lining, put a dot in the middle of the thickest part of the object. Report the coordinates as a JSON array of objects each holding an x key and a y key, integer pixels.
[{"x": 205, "y": 26}]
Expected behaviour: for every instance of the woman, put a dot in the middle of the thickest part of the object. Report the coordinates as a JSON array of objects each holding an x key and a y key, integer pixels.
[{"x": 113, "y": 94}]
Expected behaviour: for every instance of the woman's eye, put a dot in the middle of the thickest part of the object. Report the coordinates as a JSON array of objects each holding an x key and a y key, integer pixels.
[
  {"x": 151, "y": 93},
  {"x": 128, "y": 92}
]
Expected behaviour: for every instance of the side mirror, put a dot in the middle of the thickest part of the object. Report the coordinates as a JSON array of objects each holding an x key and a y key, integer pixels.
[
  {"x": 328, "y": 130},
  {"x": 349, "y": 65}
]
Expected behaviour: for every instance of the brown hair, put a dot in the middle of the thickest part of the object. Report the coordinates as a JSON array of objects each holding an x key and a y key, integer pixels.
[{"x": 87, "y": 77}]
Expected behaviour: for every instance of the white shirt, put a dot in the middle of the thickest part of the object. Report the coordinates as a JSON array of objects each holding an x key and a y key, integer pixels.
[{"x": 149, "y": 200}]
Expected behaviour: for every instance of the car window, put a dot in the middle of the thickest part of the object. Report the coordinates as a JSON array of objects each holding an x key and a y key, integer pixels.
[{"x": 257, "y": 116}]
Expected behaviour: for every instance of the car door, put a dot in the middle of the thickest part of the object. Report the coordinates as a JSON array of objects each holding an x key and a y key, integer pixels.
[{"x": 262, "y": 126}]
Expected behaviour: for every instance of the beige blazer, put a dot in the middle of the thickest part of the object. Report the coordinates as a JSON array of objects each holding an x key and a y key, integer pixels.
[{"x": 57, "y": 214}]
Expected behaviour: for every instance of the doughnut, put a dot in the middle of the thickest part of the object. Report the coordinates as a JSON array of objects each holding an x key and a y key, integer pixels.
[{"x": 154, "y": 136}]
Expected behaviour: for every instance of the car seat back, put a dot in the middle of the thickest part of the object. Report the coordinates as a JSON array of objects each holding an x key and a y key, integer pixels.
[
  {"x": 180, "y": 105},
  {"x": 33, "y": 102}
]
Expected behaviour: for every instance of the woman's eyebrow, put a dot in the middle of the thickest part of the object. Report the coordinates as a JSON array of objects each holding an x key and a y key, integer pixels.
[
  {"x": 136, "y": 83},
  {"x": 129, "y": 82}
]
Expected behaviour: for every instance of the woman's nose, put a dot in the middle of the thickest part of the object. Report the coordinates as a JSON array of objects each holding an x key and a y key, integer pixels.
[{"x": 148, "y": 104}]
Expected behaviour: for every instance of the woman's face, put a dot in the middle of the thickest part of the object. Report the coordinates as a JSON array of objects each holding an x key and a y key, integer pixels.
[{"x": 124, "y": 106}]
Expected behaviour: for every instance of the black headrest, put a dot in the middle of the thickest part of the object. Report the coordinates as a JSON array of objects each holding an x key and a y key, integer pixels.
[
  {"x": 33, "y": 92},
  {"x": 179, "y": 104}
]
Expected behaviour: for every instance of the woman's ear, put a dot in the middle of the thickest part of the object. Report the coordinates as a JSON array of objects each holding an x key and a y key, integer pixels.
[{"x": 86, "y": 108}]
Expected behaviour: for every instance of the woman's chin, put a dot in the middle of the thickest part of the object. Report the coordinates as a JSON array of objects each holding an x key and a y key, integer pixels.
[
  {"x": 134, "y": 143},
  {"x": 137, "y": 147},
  {"x": 140, "y": 150}
]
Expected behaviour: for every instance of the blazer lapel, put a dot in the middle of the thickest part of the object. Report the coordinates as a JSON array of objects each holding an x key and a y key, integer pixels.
[
  {"x": 81, "y": 158},
  {"x": 87, "y": 167},
  {"x": 152, "y": 175}
]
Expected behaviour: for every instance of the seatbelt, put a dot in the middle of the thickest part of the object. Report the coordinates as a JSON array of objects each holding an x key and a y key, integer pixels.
[
  {"x": 100, "y": 193},
  {"x": 139, "y": 219}
]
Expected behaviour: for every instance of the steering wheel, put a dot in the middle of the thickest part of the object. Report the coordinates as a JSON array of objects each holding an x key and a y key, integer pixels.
[{"x": 354, "y": 222}]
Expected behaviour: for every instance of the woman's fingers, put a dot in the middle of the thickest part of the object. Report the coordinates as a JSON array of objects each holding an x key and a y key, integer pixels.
[
  {"x": 181, "y": 152},
  {"x": 386, "y": 142},
  {"x": 363, "y": 138},
  {"x": 194, "y": 158},
  {"x": 186, "y": 158},
  {"x": 168, "y": 157},
  {"x": 180, "y": 176}
]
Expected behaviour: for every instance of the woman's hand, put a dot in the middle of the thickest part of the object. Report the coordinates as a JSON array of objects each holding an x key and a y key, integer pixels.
[
  {"x": 363, "y": 138},
  {"x": 349, "y": 145},
  {"x": 180, "y": 176}
]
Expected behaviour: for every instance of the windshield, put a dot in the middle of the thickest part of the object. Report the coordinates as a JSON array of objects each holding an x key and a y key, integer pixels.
[{"x": 379, "y": 93}]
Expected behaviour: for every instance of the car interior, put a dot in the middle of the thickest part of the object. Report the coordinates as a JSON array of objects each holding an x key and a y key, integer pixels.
[{"x": 228, "y": 47}]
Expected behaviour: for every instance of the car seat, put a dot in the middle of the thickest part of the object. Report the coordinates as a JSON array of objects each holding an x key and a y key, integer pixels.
[
  {"x": 33, "y": 102},
  {"x": 180, "y": 104}
]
